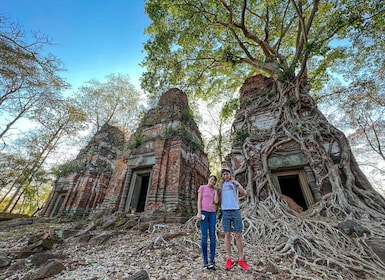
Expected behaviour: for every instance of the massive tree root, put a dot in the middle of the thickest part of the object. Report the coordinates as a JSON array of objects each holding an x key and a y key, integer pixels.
[
  {"x": 307, "y": 244},
  {"x": 311, "y": 242}
]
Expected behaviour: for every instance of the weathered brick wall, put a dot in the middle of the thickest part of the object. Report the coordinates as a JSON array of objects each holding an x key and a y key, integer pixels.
[
  {"x": 257, "y": 95},
  {"x": 113, "y": 192},
  {"x": 176, "y": 178},
  {"x": 169, "y": 133},
  {"x": 78, "y": 193},
  {"x": 167, "y": 144}
]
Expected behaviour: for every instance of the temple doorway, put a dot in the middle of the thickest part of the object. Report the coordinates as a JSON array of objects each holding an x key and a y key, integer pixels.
[
  {"x": 140, "y": 184},
  {"x": 294, "y": 185}
]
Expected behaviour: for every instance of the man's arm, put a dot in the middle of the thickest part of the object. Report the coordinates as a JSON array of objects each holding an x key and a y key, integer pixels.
[{"x": 241, "y": 190}]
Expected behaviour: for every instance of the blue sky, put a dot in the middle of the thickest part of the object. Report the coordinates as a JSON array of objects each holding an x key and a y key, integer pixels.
[{"x": 92, "y": 38}]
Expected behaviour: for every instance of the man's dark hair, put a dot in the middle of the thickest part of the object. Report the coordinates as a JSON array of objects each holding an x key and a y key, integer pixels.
[{"x": 225, "y": 170}]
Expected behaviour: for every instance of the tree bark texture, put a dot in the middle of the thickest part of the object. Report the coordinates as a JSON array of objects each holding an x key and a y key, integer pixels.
[{"x": 275, "y": 119}]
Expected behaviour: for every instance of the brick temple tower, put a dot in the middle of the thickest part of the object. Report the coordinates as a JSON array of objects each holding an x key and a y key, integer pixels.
[{"x": 156, "y": 174}]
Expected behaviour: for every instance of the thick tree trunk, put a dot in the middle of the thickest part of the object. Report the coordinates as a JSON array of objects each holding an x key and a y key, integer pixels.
[
  {"x": 283, "y": 134},
  {"x": 276, "y": 123}
]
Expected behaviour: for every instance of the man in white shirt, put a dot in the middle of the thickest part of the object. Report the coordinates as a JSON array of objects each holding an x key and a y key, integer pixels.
[{"x": 231, "y": 216}]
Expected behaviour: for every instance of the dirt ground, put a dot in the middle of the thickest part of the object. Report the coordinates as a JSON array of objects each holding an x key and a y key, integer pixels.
[{"x": 166, "y": 251}]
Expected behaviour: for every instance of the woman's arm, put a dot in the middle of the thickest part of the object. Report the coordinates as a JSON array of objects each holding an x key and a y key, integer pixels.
[
  {"x": 216, "y": 195},
  {"x": 199, "y": 206}
]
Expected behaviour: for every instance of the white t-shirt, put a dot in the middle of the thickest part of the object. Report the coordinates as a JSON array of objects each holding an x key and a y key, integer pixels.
[{"x": 230, "y": 200}]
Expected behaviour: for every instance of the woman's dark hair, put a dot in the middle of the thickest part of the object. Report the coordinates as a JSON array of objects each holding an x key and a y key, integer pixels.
[{"x": 215, "y": 177}]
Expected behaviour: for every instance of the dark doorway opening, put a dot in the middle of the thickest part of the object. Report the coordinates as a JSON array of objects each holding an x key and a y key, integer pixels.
[
  {"x": 143, "y": 192},
  {"x": 290, "y": 186},
  {"x": 139, "y": 192},
  {"x": 58, "y": 204}
]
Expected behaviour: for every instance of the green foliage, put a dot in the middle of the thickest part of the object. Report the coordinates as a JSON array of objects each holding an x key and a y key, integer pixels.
[
  {"x": 137, "y": 141},
  {"x": 228, "y": 56},
  {"x": 148, "y": 121},
  {"x": 217, "y": 146},
  {"x": 298, "y": 129},
  {"x": 31, "y": 90},
  {"x": 209, "y": 47},
  {"x": 29, "y": 80},
  {"x": 185, "y": 135},
  {"x": 115, "y": 102},
  {"x": 30, "y": 184},
  {"x": 290, "y": 101},
  {"x": 355, "y": 81},
  {"x": 67, "y": 168},
  {"x": 194, "y": 144},
  {"x": 241, "y": 135},
  {"x": 229, "y": 109},
  {"x": 187, "y": 116},
  {"x": 29, "y": 153}
]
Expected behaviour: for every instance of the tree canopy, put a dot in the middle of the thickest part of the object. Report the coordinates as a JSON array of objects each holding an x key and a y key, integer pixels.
[
  {"x": 200, "y": 45},
  {"x": 29, "y": 76},
  {"x": 115, "y": 102}
]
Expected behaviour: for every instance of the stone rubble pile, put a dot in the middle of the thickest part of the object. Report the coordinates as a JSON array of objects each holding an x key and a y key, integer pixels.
[{"x": 157, "y": 251}]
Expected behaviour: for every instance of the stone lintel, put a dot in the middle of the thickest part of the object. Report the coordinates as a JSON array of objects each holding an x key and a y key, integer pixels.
[
  {"x": 141, "y": 160},
  {"x": 286, "y": 160}
]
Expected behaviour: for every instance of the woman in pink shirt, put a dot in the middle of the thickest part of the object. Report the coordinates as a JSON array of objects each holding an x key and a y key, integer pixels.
[{"x": 207, "y": 198}]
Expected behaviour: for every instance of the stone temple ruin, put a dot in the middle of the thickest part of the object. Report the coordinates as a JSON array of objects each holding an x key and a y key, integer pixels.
[
  {"x": 84, "y": 186},
  {"x": 158, "y": 171},
  {"x": 155, "y": 174},
  {"x": 288, "y": 167}
]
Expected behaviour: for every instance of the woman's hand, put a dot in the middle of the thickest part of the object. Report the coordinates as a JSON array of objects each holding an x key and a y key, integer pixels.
[
  {"x": 199, "y": 216},
  {"x": 221, "y": 182}
]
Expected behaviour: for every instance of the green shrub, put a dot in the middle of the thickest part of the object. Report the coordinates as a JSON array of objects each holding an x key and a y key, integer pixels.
[
  {"x": 241, "y": 135},
  {"x": 67, "y": 168}
]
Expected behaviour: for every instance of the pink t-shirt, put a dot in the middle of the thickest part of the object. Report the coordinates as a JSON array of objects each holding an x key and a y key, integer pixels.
[{"x": 207, "y": 198}]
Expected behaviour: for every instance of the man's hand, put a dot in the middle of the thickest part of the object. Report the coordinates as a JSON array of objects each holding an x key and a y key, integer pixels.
[{"x": 232, "y": 180}]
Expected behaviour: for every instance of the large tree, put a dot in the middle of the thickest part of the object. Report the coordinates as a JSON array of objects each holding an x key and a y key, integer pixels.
[
  {"x": 28, "y": 76},
  {"x": 359, "y": 92},
  {"x": 24, "y": 162},
  {"x": 215, "y": 126},
  {"x": 208, "y": 47},
  {"x": 34, "y": 117},
  {"x": 115, "y": 101}
]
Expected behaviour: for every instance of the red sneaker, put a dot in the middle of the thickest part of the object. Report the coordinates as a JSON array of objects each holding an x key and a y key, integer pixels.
[
  {"x": 229, "y": 264},
  {"x": 243, "y": 264}
]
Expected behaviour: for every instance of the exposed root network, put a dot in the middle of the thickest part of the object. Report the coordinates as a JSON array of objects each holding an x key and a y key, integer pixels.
[{"x": 308, "y": 244}]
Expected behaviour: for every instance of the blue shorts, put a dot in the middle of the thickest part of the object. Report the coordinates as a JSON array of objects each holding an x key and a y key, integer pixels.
[{"x": 232, "y": 218}]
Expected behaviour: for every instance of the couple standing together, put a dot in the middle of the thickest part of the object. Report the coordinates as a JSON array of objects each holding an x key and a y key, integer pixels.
[{"x": 209, "y": 195}]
